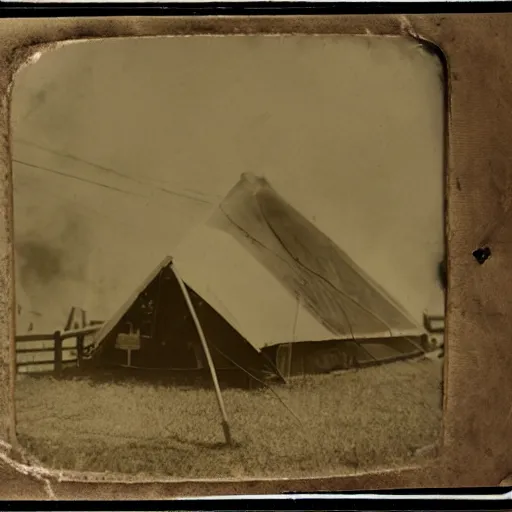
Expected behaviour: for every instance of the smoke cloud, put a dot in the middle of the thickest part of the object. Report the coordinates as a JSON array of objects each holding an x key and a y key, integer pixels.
[{"x": 52, "y": 262}]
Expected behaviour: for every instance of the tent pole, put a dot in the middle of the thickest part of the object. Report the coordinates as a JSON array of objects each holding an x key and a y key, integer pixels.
[{"x": 225, "y": 423}]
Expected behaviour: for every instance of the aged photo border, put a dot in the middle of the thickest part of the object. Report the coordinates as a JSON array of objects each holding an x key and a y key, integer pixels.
[{"x": 477, "y": 422}]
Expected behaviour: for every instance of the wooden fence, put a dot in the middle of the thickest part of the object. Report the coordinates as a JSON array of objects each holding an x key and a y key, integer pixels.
[{"x": 44, "y": 353}]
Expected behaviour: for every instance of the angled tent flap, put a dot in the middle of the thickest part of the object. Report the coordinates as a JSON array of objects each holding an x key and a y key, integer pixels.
[
  {"x": 338, "y": 293},
  {"x": 110, "y": 325}
]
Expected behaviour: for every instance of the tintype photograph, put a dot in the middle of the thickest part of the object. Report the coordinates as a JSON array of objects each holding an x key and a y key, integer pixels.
[{"x": 230, "y": 255}]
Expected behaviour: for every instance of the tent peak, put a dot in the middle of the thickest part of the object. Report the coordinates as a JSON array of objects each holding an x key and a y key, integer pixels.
[
  {"x": 168, "y": 261},
  {"x": 253, "y": 180}
]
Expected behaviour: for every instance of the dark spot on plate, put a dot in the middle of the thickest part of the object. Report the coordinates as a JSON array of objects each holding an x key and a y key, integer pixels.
[{"x": 482, "y": 254}]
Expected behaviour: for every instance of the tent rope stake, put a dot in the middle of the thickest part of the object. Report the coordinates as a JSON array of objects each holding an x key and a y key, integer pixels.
[{"x": 225, "y": 423}]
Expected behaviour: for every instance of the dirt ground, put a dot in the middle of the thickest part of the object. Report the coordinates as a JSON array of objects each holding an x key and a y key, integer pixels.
[{"x": 320, "y": 425}]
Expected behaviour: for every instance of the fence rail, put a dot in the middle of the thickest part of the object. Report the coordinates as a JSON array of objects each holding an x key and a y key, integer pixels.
[{"x": 57, "y": 348}]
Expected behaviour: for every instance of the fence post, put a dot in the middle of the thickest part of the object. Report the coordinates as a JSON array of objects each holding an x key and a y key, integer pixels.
[
  {"x": 79, "y": 350},
  {"x": 57, "y": 339}
]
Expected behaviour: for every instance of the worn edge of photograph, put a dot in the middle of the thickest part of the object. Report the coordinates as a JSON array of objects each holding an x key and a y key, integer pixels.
[{"x": 455, "y": 460}]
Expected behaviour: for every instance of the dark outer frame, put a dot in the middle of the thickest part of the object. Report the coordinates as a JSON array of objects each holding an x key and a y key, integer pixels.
[{"x": 477, "y": 430}]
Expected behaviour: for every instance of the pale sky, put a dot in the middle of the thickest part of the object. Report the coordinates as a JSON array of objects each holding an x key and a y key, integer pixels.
[{"x": 348, "y": 129}]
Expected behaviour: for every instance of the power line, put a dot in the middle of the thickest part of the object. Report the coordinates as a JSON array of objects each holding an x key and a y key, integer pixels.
[
  {"x": 65, "y": 175},
  {"x": 111, "y": 171},
  {"x": 76, "y": 159}
]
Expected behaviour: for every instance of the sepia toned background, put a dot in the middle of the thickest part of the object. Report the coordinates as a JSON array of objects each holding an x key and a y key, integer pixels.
[{"x": 121, "y": 147}]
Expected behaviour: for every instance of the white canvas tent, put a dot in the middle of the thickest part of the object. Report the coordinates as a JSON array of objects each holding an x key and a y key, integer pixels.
[{"x": 277, "y": 278}]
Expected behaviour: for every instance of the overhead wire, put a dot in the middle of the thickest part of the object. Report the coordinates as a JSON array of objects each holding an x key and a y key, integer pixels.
[
  {"x": 71, "y": 176},
  {"x": 103, "y": 168}
]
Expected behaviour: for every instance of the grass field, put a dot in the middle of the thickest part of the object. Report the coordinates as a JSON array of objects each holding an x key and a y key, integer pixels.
[{"x": 349, "y": 422}]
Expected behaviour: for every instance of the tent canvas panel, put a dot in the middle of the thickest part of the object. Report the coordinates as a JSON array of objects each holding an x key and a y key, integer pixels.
[
  {"x": 248, "y": 295},
  {"x": 244, "y": 292},
  {"x": 307, "y": 263}
]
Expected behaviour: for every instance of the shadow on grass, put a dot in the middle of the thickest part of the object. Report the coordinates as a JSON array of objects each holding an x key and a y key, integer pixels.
[
  {"x": 197, "y": 379},
  {"x": 206, "y": 445}
]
